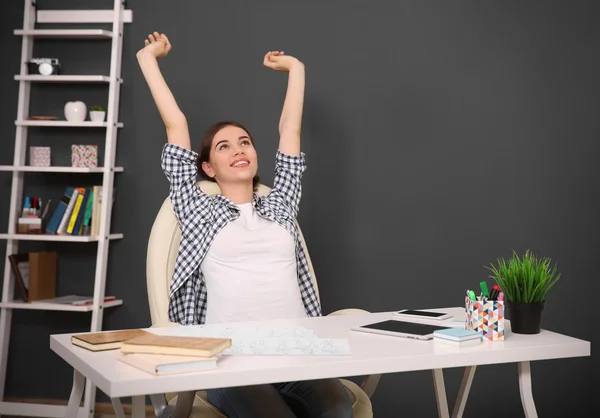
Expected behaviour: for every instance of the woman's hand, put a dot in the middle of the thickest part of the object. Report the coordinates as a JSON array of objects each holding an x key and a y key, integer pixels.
[
  {"x": 276, "y": 60},
  {"x": 157, "y": 45}
]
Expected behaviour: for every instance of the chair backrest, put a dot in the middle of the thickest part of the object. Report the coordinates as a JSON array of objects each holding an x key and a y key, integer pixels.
[{"x": 163, "y": 246}]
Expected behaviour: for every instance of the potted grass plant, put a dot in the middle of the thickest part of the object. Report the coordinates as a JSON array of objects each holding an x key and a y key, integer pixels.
[
  {"x": 97, "y": 113},
  {"x": 525, "y": 283}
]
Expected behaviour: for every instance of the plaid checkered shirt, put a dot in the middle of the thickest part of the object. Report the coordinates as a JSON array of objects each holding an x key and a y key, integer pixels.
[{"x": 201, "y": 217}]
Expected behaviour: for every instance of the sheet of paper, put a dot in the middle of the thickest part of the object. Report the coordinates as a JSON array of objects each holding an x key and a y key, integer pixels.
[
  {"x": 269, "y": 341},
  {"x": 289, "y": 347},
  {"x": 239, "y": 332}
]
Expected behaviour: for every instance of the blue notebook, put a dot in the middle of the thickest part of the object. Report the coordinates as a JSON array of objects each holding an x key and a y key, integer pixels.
[{"x": 456, "y": 334}]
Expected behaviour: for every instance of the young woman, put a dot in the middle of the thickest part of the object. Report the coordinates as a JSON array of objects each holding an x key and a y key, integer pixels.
[{"x": 240, "y": 256}]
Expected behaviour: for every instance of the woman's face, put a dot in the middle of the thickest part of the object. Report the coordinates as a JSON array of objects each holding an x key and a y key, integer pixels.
[{"x": 233, "y": 158}]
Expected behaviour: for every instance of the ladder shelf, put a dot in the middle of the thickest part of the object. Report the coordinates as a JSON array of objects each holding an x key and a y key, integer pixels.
[{"x": 116, "y": 16}]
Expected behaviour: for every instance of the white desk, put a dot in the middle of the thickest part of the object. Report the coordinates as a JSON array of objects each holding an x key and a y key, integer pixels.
[{"x": 371, "y": 354}]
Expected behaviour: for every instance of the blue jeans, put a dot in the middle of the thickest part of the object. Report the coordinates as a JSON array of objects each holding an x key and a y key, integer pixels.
[{"x": 326, "y": 398}]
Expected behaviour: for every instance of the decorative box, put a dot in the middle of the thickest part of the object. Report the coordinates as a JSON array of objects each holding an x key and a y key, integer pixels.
[
  {"x": 84, "y": 155},
  {"x": 486, "y": 317},
  {"x": 39, "y": 156}
]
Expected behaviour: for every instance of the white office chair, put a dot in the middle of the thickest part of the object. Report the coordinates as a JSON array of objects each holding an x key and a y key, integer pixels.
[{"x": 163, "y": 245}]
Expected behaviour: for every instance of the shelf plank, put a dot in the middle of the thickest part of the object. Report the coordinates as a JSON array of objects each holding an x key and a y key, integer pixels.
[
  {"x": 61, "y": 238},
  {"x": 64, "y": 78},
  {"x": 81, "y": 16},
  {"x": 41, "y": 306},
  {"x": 66, "y": 33},
  {"x": 56, "y": 169},
  {"x": 64, "y": 123},
  {"x": 26, "y": 409}
]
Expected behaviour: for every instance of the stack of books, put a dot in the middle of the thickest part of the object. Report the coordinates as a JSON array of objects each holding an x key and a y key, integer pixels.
[
  {"x": 157, "y": 354},
  {"x": 457, "y": 337}
]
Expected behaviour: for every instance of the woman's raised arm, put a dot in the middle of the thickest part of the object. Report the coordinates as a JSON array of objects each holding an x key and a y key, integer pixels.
[
  {"x": 157, "y": 46},
  {"x": 290, "y": 123}
]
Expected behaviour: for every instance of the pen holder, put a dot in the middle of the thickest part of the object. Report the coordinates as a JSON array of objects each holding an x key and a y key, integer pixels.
[{"x": 485, "y": 317}]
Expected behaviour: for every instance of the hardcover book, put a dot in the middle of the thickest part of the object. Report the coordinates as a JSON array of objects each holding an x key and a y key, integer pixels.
[
  {"x": 184, "y": 346},
  {"x": 107, "y": 340},
  {"x": 160, "y": 364}
]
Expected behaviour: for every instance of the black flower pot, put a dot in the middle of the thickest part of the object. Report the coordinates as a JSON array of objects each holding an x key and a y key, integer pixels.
[{"x": 525, "y": 318}]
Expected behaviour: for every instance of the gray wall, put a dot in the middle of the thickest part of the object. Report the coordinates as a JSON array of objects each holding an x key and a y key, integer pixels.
[{"x": 439, "y": 135}]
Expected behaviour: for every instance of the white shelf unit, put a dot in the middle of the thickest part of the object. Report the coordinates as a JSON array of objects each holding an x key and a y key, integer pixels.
[{"x": 117, "y": 16}]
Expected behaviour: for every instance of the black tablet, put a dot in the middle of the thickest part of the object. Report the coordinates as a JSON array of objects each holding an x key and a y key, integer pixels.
[{"x": 401, "y": 329}]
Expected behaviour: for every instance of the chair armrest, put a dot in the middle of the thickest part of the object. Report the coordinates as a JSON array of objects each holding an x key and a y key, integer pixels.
[
  {"x": 369, "y": 383},
  {"x": 349, "y": 311},
  {"x": 159, "y": 403},
  {"x": 185, "y": 401}
]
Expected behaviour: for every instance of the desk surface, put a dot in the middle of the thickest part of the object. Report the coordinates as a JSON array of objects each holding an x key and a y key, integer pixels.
[{"x": 371, "y": 354}]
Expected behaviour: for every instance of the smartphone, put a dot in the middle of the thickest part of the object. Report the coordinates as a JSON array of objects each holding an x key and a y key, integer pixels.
[{"x": 414, "y": 313}]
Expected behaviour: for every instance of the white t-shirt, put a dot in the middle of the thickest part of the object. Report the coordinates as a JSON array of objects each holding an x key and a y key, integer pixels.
[{"x": 250, "y": 271}]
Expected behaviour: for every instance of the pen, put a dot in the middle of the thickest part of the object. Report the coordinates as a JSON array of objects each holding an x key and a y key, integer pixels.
[
  {"x": 501, "y": 296},
  {"x": 484, "y": 290},
  {"x": 494, "y": 292},
  {"x": 26, "y": 205}
]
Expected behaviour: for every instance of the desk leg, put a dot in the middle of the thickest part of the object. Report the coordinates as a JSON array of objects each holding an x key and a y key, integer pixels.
[
  {"x": 440, "y": 393},
  {"x": 185, "y": 401},
  {"x": 463, "y": 392},
  {"x": 76, "y": 395},
  {"x": 525, "y": 388},
  {"x": 118, "y": 407},
  {"x": 138, "y": 406}
]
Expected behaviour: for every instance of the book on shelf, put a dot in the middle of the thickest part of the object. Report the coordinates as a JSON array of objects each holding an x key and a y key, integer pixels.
[
  {"x": 75, "y": 300},
  {"x": 35, "y": 274},
  {"x": 105, "y": 340},
  {"x": 161, "y": 364},
  {"x": 78, "y": 212},
  {"x": 175, "y": 345}
]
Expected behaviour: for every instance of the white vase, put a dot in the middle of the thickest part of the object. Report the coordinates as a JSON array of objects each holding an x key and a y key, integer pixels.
[
  {"x": 97, "y": 115},
  {"x": 75, "y": 111}
]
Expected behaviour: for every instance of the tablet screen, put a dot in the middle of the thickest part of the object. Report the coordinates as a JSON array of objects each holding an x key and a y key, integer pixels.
[
  {"x": 404, "y": 327},
  {"x": 422, "y": 313}
]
